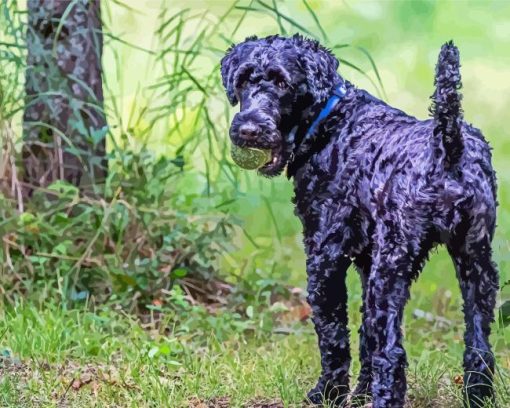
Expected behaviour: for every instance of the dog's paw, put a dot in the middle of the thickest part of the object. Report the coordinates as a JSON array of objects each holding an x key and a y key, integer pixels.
[
  {"x": 362, "y": 394},
  {"x": 328, "y": 395}
]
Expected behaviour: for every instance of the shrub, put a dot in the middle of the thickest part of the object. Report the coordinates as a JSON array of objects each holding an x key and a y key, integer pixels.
[{"x": 133, "y": 242}]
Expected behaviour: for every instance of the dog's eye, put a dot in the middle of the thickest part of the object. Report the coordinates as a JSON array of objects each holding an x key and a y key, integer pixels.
[
  {"x": 277, "y": 77},
  {"x": 244, "y": 77},
  {"x": 242, "y": 80},
  {"x": 282, "y": 85}
]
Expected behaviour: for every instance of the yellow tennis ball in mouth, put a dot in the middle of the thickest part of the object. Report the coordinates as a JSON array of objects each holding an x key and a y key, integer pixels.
[{"x": 250, "y": 158}]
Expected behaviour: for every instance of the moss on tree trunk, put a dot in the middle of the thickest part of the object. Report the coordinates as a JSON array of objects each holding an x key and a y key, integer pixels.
[{"x": 64, "y": 122}]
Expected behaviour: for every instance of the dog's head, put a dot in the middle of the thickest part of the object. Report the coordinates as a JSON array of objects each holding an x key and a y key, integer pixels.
[{"x": 275, "y": 79}]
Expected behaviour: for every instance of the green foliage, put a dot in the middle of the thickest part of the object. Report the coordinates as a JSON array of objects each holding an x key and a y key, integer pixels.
[{"x": 136, "y": 240}]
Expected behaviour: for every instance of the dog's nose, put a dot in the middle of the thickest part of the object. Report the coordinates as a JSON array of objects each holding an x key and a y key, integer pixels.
[{"x": 249, "y": 131}]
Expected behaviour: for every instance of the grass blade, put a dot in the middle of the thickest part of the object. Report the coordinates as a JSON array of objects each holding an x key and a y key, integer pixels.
[
  {"x": 286, "y": 18},
  {"x": 316, "y": 19}
]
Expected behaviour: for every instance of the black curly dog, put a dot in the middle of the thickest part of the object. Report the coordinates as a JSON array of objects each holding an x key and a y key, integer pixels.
[{"x": 376, "y": 187}]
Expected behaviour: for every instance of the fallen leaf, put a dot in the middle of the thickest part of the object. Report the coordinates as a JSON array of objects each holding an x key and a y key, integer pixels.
[
  {"x": 458, "y": 379},
  {"x": 300, "y": 312},
  {"x": 76, "y": 385},
  {"x": 95, "y": 388},
  {"x": 85, "y": 378}
]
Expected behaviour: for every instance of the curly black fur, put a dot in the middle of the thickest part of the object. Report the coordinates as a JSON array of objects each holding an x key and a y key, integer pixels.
[
  {"x": 446, "y": 108},
  {"x": 379, "y": 188}
]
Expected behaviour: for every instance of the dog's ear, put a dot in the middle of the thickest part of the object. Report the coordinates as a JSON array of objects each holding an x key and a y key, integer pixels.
[
  {"x": 229, "y": 64},
  {"x": 320, "y": 67},
  {"x": 235, "y": 55}
]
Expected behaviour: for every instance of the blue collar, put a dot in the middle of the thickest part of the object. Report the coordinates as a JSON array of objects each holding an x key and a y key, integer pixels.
[
  {"x": 338, "y": 93},
  {"x": 298, "y": 153}
]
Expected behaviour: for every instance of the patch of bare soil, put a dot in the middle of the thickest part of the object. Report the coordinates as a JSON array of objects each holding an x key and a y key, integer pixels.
[
  {"x": 67, "y": 377},
  {"x": 222, "y": 402},
  {"x": 275, "y": 403}
]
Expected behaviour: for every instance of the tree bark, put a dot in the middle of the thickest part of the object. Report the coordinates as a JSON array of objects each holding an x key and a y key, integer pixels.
[{"x": 64, "y": 124}]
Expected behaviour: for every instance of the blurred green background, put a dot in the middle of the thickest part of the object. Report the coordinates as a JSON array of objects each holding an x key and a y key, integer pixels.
[{"x": 403, "y": 39}]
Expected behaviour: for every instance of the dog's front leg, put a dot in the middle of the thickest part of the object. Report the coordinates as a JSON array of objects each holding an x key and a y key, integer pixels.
[{"x": 327, "y": 296}]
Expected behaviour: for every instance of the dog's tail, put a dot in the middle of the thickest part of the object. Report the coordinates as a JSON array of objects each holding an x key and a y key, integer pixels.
[{"x": 446, "y": 107}]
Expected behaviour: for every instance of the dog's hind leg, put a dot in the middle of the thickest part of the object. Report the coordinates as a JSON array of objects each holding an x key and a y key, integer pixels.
[
  {"x": 396, "y": 261},
  {"x": 362, "y": 393},
  {"x": 478, "y": 278},
  {"x": 387, "y": 294},
  {"x": 327, "y": 296}
]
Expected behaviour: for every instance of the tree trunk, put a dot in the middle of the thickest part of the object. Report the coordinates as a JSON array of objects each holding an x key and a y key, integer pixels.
[{"x": 64, "y": 124}]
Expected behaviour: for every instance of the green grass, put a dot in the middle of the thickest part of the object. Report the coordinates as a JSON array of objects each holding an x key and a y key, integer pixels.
[{"x": 79, "y": 358}]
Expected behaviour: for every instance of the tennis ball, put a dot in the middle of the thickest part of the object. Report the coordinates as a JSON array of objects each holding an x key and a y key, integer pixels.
[{"x": 250, "y": 158}]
